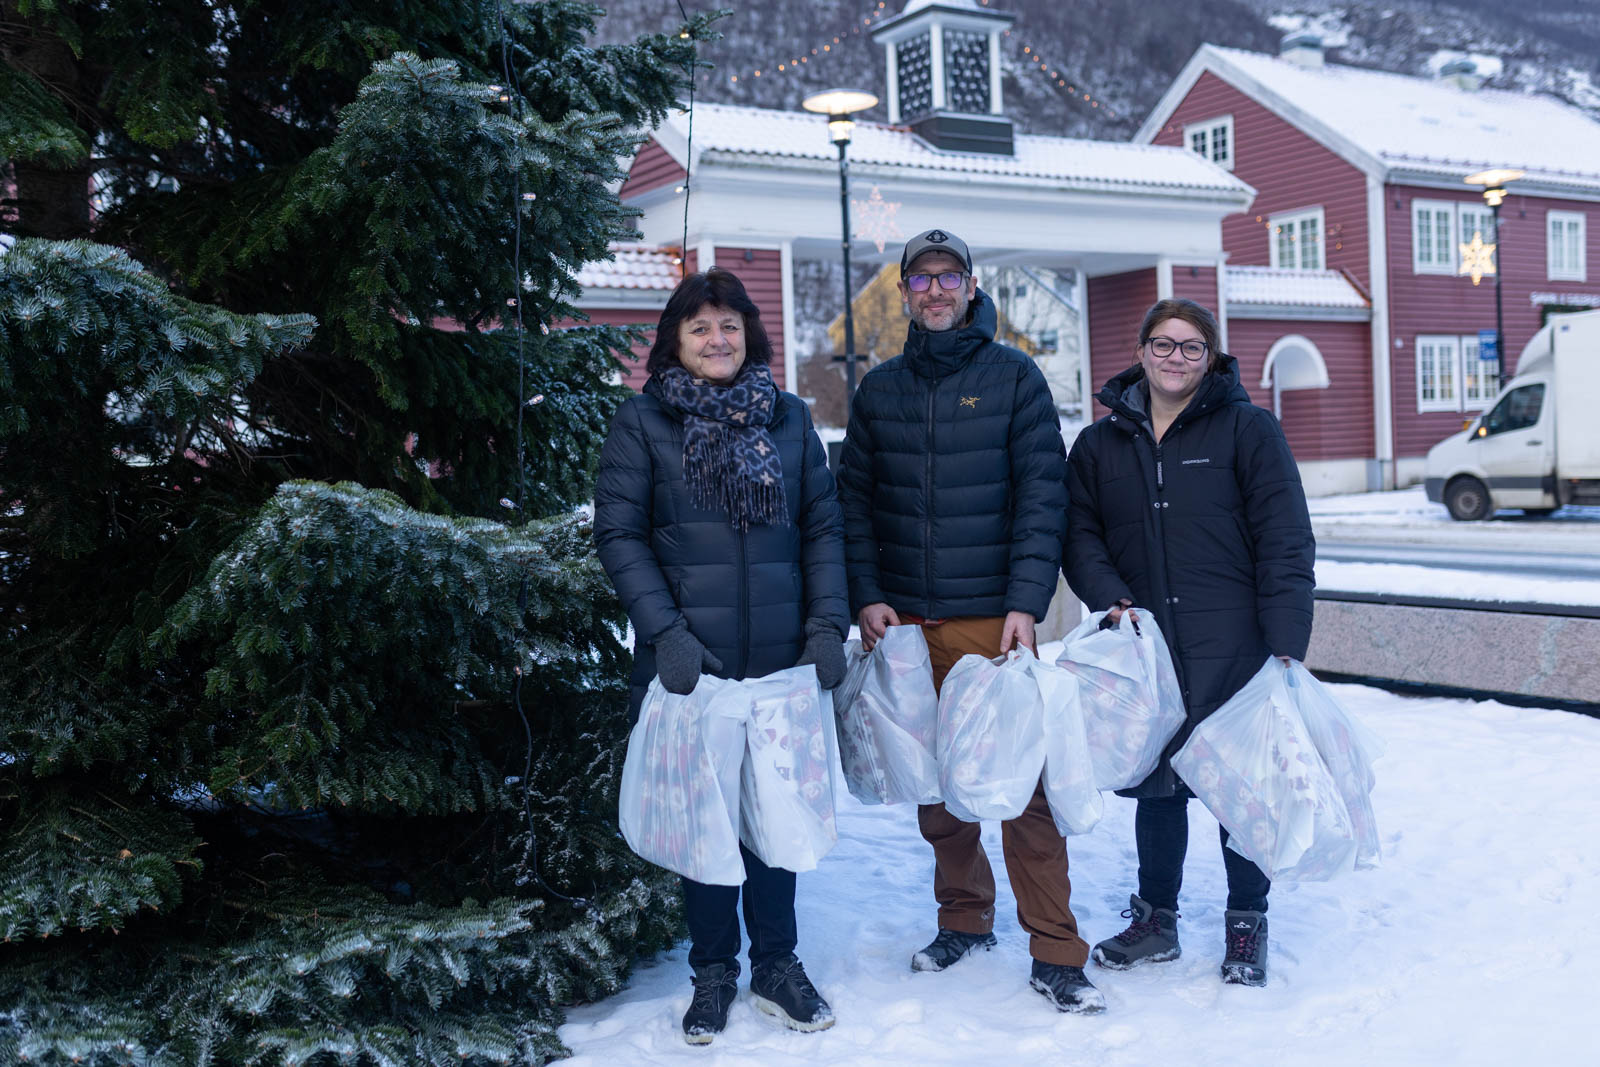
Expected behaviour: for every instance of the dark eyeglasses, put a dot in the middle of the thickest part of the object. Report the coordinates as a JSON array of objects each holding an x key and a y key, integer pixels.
[
  {"x": 920, "y": 283},
  {"x": 1162, "y": 347}
]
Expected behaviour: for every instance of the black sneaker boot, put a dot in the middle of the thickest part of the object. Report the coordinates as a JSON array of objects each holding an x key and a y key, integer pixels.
[
  {"x": 1151, "y": 937},
  {"x": 715, "y": 986},
  {"x": 1246, "y": 961},
  {"x": 948, "y": 947},
  {"x": 1067, "y": 988},
  {"x": 782, "y": 990}
]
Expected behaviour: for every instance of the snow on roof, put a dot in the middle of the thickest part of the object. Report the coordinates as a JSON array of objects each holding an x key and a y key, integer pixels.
[
  {"x": 1415, "y": 123},
  {"x": 723, "y": 131},
  {"x": 634, "y": 266},
  {"x": 1278, "y": 286}
]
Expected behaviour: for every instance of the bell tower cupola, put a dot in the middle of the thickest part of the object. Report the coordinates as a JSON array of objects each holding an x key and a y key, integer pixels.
[{"x": 943, "y": 62}]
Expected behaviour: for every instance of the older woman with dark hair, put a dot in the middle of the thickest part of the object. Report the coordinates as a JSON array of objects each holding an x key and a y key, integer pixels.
[
  {"x": 716, "y": 520},
  {"x": 1186, "y": 502}
]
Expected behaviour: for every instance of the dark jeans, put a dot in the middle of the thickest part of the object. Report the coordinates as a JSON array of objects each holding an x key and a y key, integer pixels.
[
  {"x": 712, "y": 914},
  {"x": 1161, "y": 832}
]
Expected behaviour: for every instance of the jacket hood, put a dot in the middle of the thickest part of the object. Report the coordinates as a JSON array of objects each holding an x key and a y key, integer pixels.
[
  {"x": 1129, "y": 396},
  {"x": 935, "y": 355}
]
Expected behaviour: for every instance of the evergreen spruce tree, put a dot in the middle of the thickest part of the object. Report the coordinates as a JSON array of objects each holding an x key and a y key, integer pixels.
[{"x": 312, "y": 693}]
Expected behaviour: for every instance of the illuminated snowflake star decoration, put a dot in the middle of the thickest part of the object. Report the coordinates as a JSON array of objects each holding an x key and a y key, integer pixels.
[
  {"x": 875, "y": 219},
  {"x": 1477, "y": 258}
]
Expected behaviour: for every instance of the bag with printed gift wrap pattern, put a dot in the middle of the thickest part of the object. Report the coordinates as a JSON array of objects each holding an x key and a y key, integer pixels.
[
  {"x": 1132, "y": 703},
  {"x": 787, "y": 784},
  {"x": 1253, "y": 764},
  {"x": 991, "y": 744},
  {"x": 887, "y": 713},
  {"x": 679, "y": 803},
  {"x": 1348, "y": 748}
]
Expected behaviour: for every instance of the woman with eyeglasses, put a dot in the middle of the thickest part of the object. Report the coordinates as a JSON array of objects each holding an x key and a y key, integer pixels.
[{"x": 1186, "y": 503}]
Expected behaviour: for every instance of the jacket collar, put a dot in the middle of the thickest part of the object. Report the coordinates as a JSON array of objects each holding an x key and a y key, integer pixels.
[
  {"x": 937, "y": 355},
  {"x": 1128, "y": 394}
]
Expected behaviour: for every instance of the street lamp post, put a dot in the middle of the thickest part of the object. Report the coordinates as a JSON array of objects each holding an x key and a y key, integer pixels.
[
  {"x": 1494, "y": 191},
  {"x": 839, "y": 105}
]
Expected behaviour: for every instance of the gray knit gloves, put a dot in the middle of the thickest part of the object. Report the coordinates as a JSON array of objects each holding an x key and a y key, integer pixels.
[
  {"x": 680, "y": 658},
  {"x": 825, "y": 648}
]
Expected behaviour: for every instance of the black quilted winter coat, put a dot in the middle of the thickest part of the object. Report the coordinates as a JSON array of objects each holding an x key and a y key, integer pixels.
[
  {"x": 746, "y": 596},
  {"x": 952, "y": 478},
  {"x": 1208, "y": 531}
]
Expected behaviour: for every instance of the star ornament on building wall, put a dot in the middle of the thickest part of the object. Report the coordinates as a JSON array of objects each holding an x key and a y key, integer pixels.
[
  {"x": 1477, "y": 258},
  {"x": 875, "y": 219}
]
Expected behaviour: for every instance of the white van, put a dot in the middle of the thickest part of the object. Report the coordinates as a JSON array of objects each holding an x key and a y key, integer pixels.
[{"x": 1538, "y": 446}]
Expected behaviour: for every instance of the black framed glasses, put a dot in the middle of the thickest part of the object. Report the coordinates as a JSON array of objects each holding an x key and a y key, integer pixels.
[
  {"x": 921, "y": 283},
  {"x": 1162, "y": 347}
]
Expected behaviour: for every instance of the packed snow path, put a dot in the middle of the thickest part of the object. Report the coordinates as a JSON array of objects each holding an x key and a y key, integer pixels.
[{"x": 1475, "y": 942}]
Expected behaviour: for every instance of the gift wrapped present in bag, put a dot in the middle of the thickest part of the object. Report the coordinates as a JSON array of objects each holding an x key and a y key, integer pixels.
[
  {"x": 1132, "y": 703},
  {"x": 679, "y": 803},
  {"x": 888, "y": 716},
  {"x": 1252, "y": 763},
  {"x": 1348, "y": 748},
  {"x": 1069, "y": 781},
  {"x": 991, "y": 737},
  {"x": 787, "y": 787}
]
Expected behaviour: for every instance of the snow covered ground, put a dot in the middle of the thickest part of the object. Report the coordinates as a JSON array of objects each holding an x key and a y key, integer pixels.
[
  {"x": 1411, "y": 507},
  {"x": 1474, "y": 942}
]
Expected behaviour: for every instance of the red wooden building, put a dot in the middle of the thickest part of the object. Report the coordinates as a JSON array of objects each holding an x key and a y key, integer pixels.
[{"x": 1360, "y": 174}]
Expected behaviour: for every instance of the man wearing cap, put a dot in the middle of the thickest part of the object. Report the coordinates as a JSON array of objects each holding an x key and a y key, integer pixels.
[{"x": 953, "y": 481}]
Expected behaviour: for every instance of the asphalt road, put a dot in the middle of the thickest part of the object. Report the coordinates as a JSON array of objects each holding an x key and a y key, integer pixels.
[{"x": 1578, "y": 562}]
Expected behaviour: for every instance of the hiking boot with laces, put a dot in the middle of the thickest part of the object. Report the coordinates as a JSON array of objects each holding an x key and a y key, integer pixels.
[
  {"x": 947, "y": 947},
  {"x": 1151, "y": 937},
  {"x": 1067, "y": 988},
  {"x": 715, "y": 986},
  {"x": 1246, "y": 961},
  {"x": 782, "y": 990}
]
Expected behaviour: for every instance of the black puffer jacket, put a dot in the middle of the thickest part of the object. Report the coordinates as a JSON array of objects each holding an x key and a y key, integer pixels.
[
  {"x": 952, "y": 478},
  {"x": 746, "y": 596},
  {"x": 1208, "y": 531}
]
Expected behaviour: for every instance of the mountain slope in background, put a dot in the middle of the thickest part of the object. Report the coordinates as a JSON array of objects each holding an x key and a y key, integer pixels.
[{"x": 1095, "y": 68}]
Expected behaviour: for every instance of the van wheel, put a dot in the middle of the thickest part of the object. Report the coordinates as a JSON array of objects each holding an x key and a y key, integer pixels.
[{"x": 1467, "y": 499}]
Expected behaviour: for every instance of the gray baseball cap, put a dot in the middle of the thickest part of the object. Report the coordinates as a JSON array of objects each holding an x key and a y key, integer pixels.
[{"x": 934, "y": 241}]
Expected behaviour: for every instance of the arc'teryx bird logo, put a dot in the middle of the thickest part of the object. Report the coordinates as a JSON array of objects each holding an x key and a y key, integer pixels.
[{"x": 970, "y": 401}]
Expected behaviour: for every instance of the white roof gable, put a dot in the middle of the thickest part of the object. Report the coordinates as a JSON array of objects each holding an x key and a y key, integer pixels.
[
  {"x": 1391, "y": 124},
  {"x": 1277, "y": 286},
  {"x": 634, "y": 266},
  {"x": 725, "y": 133}
]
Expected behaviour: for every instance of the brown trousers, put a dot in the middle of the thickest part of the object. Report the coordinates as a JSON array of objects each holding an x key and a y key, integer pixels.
[{"x": 1035, "y": 852}]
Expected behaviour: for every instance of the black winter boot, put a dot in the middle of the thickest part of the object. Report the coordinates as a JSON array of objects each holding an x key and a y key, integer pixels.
[
  {"x": 715, "y": 986},
  {"x": 947, "y": 947},
  {"x": 782, "y": 990},
  {"x": 1246, "y": 961},
  {"x": 1067, "y": 988},
  {"x": 1151, "y": 937}
]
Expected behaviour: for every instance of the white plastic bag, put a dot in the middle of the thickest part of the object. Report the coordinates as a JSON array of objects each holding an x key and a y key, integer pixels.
[
  {"x": 888, "y": 717},
  {"x": 679, "y": 804},
  {"x": 1253, "y": 764},
  {"x": 991, "y": 737},
  {"x": 1069, "y": 782},
  {"x": 1132, "y": 703},
  {"x": 1348, "y": 748},
  {"x": 787, "y": 787}
]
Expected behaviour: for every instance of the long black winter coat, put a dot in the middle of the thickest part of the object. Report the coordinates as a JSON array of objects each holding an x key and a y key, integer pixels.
[
  {"x": 746, "y": 596},
  {"x": 952, "y": 478},
  {"x": 1207, "y": 530}
]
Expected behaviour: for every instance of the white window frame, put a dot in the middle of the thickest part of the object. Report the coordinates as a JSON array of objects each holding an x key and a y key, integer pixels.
[
  {"x": 1431, "y": 265},
  {"x": 1450, "y": 354},
  {"x": 1296, "y": 222},
  {"x": 1207, "y": 146},
  {"x": 1555, "y": 268}
]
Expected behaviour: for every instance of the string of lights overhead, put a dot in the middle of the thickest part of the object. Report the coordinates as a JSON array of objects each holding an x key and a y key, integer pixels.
[{"x": 796, "y": 62}]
